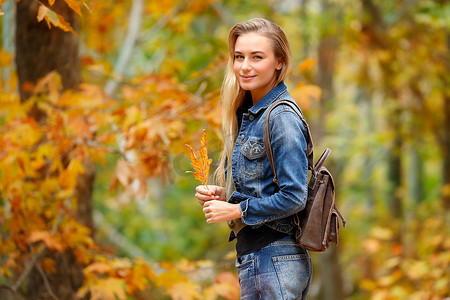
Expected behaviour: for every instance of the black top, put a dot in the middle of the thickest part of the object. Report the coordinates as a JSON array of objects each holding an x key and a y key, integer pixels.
[{"x": 251, "y": 239}]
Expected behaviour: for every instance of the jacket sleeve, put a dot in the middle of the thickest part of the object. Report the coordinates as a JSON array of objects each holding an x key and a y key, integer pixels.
[{"x": 287, "y": 135}]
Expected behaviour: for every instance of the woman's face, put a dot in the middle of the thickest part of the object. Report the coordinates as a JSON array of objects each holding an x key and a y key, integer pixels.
[{"x": 255, "y": 64}]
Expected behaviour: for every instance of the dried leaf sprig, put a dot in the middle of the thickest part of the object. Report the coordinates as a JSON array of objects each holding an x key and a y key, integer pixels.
[{"x": 201, "y": 164}]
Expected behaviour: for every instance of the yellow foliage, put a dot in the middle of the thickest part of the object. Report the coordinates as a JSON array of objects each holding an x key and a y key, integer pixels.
[
  {"x": 169, "y": 278},
  {"x": 76, "y": 235},
  {"x": 5, "y": 57},
  {"x": 381, "y": 233},
  {"x": 105, "y": 289},
  {"x": 68, "y": 177},
  {"x": 184, "y": 291},
  {"x": 305, "y": 93},
  {"x": 420, "y": 274},
  {"x": 41, "y": 162},
  {"x": 159, "y": 8},
  {"x": 307, "y": 64},
  {"x": 128, "y": 275},
  {"x": 446, "y": 190},
  {"x": 226, "y": 286},
  {"x": 140, "y": 276}
]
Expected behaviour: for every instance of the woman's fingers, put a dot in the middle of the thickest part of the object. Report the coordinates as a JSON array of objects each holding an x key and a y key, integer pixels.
[
  {"x": 207, "y": 211},
  {"x": 201, "y": 202},
  {"x": 220, "y": 211},
  {"x": 204, "y": 194}
]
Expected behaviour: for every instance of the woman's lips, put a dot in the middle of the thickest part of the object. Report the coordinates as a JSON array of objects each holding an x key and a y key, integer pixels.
[{"x": 247, "y": 78}]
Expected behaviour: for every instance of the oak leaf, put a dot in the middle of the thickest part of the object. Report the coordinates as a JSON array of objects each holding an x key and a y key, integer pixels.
[{"x": 201, "y": 164}]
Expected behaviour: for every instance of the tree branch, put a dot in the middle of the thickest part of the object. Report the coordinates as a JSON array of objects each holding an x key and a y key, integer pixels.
[
  {"x": 128, "y": 45},
  {"x": 34, "y": 258},
  {"x": 46, "y": 283},
  {"x": 27, "y": 269},
  {"x": 131, "y": 38}
]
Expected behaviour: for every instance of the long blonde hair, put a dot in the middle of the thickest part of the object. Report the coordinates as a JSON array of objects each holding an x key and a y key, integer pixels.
[{"x": 232, "y": 95}]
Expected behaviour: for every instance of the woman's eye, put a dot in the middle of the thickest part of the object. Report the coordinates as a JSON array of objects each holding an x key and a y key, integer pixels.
[
  {"x": 238, "y": 57},
  {"x": 257, "y": 57}
]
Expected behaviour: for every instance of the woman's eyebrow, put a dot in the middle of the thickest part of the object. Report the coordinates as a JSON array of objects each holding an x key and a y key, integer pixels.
[{"x": 253, "y": 52}]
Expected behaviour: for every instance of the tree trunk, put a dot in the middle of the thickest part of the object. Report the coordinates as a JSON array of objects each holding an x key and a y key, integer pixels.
[
  {"x": 446, "y": 142},
  {"x": 416, "y": 176},
  {"x": 40, "y": 50},
  {"x": 8, "y": 28},
  {"x": 365, "y": 103},
  {"x": 376, "y": 30},
  {"x": 331, "y": 282},
  {"x": 305, "y": 35},
  {"x": 395, "y": 167},
  {"x": 446, "y": 150}
]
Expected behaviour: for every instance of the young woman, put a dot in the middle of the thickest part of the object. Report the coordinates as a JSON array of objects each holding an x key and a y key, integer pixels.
[{"x": 270, "y": 264}]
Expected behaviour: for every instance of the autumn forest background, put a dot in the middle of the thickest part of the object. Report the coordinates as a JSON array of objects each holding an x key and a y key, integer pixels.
[{"x": 98, "y": 99}]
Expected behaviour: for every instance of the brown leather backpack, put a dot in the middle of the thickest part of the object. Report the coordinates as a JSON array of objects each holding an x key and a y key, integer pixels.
[{"x": 318, "y": 223}]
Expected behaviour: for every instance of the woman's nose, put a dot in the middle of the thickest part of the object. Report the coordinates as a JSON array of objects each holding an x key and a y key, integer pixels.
[{"x": 245, "y": 65}]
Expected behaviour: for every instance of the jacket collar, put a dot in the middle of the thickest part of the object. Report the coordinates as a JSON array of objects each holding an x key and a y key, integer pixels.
[{"x": 265, "y": 101}]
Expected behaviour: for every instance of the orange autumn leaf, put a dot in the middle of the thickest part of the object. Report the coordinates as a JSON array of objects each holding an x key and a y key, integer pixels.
[
  {"x": 99, "y": 268},
  {"x": 306, "y": 65},
  {"x": 52, "y": 18},
  {"x": 201, "y": 164},
  {"x": 105, "y": 289},
  {"x": 47, "y": 238},
  {"x": 48, "y": 265},
  {"x": 74, "y": 5}
]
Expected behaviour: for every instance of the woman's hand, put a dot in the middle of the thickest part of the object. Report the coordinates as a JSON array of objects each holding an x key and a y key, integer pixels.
[
  {"x": 220, "y": 211},
  {"x": 213, "y": 192}
]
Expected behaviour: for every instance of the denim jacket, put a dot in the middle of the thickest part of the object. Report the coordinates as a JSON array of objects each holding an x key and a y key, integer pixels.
[{"x": 260, "y": 200}]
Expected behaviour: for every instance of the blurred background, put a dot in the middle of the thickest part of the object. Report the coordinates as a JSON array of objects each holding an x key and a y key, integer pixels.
[{"x": 98, "y": 99}]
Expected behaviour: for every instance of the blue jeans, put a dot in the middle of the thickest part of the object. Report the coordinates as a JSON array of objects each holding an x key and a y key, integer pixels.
[{"x": 281, "y": 270}]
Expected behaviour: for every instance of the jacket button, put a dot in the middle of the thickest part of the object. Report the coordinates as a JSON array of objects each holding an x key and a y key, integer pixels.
[{"x": 251, "y": 118}]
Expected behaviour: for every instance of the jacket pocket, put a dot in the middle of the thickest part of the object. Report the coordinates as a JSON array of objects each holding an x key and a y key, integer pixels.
[{"x": 253, "y": 153}]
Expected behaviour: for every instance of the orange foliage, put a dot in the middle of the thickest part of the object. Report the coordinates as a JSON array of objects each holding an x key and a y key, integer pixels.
[
  {"x": 201, "y": 164},
  {"x": 40, "y": 163},
  {"x": 226, "y": 286},
  {"x": 54, "y": 19},
  {"x": 43, "y": 161},
  {"x": 50, "y": 242}
]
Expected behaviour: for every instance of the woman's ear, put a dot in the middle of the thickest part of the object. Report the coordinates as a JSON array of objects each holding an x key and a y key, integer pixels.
[{"x": 279, "y": 65}]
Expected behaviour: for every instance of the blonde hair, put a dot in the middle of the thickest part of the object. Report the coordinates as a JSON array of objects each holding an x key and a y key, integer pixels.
[{"x": 232, "y": 95}]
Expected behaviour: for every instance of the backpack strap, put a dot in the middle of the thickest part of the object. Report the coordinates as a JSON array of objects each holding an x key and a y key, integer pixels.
[
  {"x": 267, "y": 145},
  {"x": 340, "y": 215}
]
